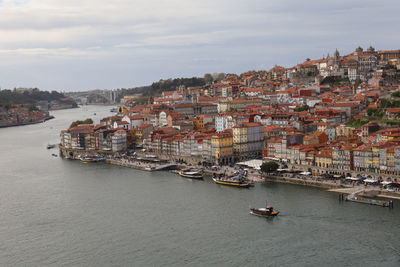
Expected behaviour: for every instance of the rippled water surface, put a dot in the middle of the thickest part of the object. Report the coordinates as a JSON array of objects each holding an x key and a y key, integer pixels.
[{"x": 56, "y": 212}]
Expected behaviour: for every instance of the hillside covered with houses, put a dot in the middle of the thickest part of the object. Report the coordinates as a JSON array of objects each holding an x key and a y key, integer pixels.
[{"x": 337, "y": 114}]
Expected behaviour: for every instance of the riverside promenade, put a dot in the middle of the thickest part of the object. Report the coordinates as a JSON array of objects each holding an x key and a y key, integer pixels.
[
  {"x": 336, "y": 186},
  {"x": 147, "y": 164}
]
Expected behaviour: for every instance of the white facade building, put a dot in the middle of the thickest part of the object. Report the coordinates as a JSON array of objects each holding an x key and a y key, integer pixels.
[{"x": 119, "y": 141}]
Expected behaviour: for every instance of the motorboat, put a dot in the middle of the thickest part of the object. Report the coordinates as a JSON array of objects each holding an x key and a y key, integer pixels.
[{"x": 266, "y": 211}]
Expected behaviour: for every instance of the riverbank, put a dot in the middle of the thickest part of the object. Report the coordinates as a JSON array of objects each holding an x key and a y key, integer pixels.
[
  {"x": 61, "y": 108},
  {"x": 151, "y": 164},
  {"x": 27, "y": 123},
  {"x": 337, "y": 187},
  {"x": 379, "y": 193}
]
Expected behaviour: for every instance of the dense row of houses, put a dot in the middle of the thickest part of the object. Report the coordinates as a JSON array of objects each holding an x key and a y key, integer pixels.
[
  {"x": 208, "y": 146},
  {"x": 22, "y": 115},
  {"x": 271, "y": 114},
  {"x": 380, "y": 154}
]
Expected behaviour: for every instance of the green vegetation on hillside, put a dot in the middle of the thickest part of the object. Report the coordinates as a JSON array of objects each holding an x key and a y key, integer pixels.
[
  {"x": 157, "y": 88},
  {"x": 396, "y": 94},
  {"x": 392, "y": 122},
  {"x": 373, "y": 114},
  {"x": 392, "y": 103},
  {"x": 335, "y": 81},
  {"x": 9, "y": 98},
  {"x": 76, "y": 123},
  {"x": 302, "y": 108},
  {"x": 358, "y": 122}
]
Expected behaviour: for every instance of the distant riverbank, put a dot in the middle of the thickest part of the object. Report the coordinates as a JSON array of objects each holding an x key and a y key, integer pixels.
[
  {"x": 27, "y": 123},
  {"x": 61, "y": 108}
]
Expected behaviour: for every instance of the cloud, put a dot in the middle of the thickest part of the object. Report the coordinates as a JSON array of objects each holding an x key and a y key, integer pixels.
[{"x": 168, "y": 38}]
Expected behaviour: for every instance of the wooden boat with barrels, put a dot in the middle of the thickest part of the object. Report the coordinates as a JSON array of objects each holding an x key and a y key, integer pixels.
[
  {"x": 236, "y": 181},
  {"x": 266, "y": 211}
]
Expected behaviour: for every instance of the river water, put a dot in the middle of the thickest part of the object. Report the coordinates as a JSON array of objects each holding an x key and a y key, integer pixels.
[{"x": 56, "y": 212}]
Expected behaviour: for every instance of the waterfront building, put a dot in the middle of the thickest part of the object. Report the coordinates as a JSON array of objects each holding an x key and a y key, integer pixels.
[
  {"x": 293, "y": 154},
  {"x": 396, "y": 152},
  {"x": 240, "y": 142},
  {"x": 119, "y": 141},
  {"x": 323, "y": 158},
  {"x": 207, "y": 150},
  {"x": 363, "y": 159},
  {"x": 142, "y": 132},
  {"x": 222, "y": 148},
  {"x": 104, "y": 141},
  {"x": 90, "y": 140},
  {"x": 274, "y": 148},
  {"x": 342, "y": 157}
]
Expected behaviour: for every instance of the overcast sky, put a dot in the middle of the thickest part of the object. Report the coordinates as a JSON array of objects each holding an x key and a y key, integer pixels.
[{"x": 89, "y": 44}]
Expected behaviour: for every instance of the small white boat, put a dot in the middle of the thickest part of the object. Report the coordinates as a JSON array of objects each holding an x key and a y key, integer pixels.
[{"x": 191, "y": 174}]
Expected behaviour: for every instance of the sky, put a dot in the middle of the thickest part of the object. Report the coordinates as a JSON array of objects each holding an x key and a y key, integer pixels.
[{"x": 73, "y": 45}]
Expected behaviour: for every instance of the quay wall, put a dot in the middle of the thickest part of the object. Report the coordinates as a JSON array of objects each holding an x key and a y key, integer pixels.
[
  {"x": 125, "y": 164},
  {"x": 304, "y": 182},
  {"x": 320, "y": 170},
  {"x": 71, "y": 153}
]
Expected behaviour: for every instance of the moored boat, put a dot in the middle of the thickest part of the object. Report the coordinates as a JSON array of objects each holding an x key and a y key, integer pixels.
[
  {"x": 92, "y": 159},
  {"x": 191, "y": 174},
  {"x": 237, "y": 181},
  {"x": 267, "y": 211},
  {"x": 50, "y": 146},
  {"x": 87, "y": 159}
]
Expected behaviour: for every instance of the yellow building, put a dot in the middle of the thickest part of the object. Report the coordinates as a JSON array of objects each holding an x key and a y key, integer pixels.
[
  {"x": 390, "y": 160},
  {"x": 90, "y": 140},
  {"x": 222, "y": 148},
  {"x": 122, "y": 110},
  {"x": 323, "y": 159},
  {"x": 375, "y": 157},
  {"x": 198, "y": 123}
]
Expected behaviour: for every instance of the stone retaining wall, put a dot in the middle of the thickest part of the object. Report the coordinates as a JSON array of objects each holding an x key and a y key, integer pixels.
[{"x": 302, "y": 182}]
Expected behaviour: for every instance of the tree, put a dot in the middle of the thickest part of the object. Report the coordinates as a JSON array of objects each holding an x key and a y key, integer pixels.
[
  {"x": 371, "y": 111},
  {"x": 32, "y": 107},
  {"x": 396, "y": 94},
  {"x": 220, "y": 76},
  {"x": 269, "y": 166},
  {"x": 76, "y": 123},
  {"x": 301, "y": 108},
  {"x": 208, "y": 78}
]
